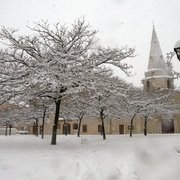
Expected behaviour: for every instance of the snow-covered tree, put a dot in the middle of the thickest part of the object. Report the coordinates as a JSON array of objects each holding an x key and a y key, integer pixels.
[
  {"x": 146, "y": 104},
  {"x": 169, "y": 63},
  {"x": 98, "y": 99},
  {"x": 105, "y": 91},
  {"x": 54, "y": 62},
  {"x": 11, "y": 116},
  {"x": 77, "y": 106}
]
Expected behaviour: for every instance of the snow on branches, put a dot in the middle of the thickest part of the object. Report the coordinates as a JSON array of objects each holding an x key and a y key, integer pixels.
[{"x": 55, "y": 61}]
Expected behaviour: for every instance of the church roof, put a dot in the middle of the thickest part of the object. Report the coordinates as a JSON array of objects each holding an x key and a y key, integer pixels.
[{"x": 156, "y": 60}]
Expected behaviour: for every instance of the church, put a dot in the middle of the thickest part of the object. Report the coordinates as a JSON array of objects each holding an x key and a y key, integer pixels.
[{"x": 157, "y": 77}]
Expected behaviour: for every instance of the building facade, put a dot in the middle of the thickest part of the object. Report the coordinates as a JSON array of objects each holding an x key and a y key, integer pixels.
[{"x": 92, "y": 125}]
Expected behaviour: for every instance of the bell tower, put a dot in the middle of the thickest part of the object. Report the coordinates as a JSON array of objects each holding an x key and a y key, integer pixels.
[{"x": 157, "y": 75}]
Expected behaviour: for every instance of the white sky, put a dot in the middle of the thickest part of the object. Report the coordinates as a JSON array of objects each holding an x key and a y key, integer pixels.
[{"x": 119, "y": 22}]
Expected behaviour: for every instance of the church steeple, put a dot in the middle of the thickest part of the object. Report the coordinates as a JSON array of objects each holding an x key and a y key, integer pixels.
[
  {"x": 156, "y": 60},
  {"x": 157, "y": 75}
]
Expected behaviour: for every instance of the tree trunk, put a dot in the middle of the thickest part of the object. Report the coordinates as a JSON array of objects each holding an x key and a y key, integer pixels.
[
  {"x": 103, "y": 128},
  {"x": 131, "y": 127},
  {"x": 37, "y": 133},
  {"x": 132, "y": 119},
  {"x": 6, "y": 131},
  {"x": 65, "y": 128},
  {"x": 79, "y": 125},
  {"x": 44, "y": 115},
  {"x": 10, "y": 126},
  {"x": 56, "y": 118},
  {"x": 145, "y": 126}
]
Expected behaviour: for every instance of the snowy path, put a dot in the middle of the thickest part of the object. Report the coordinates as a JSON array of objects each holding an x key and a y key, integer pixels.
[{"x": 24, "y": 157}]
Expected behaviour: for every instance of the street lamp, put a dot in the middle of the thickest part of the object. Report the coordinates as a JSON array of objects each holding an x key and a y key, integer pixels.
[{"x": 177, "y": 49}]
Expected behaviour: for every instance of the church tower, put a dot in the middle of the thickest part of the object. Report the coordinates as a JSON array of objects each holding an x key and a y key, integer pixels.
[{"x": 157, "y": 76}]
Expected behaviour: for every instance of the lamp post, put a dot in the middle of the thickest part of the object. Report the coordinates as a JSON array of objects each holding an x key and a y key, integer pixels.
[{"x": 177, "y": 49}]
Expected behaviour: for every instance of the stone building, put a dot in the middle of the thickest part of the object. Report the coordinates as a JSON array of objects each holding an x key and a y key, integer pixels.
[{"x": 91, "y": 125}]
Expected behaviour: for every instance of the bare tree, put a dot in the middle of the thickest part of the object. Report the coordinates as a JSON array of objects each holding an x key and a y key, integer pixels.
[
  {"x": 139, "y": 102},
  {"x": 54, "y": 62},
  {"x": 77, "y": 106},
  {"x": 106, "y": 90}
]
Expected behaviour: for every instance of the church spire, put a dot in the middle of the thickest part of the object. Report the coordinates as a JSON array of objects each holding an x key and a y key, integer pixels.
[
  {"x": 156, "y": 60},
  {"x": 157, "y": 75}
]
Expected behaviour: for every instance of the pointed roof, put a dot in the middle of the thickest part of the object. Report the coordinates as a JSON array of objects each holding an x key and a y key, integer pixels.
[{"x": 156, "y": 60}]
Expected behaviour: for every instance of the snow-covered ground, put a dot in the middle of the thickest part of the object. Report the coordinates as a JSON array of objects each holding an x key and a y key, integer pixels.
[{"x": 26, "y": 157}]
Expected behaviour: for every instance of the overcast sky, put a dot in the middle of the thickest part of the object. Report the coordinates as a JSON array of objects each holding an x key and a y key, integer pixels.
[{"x": 119, "y": 22}]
